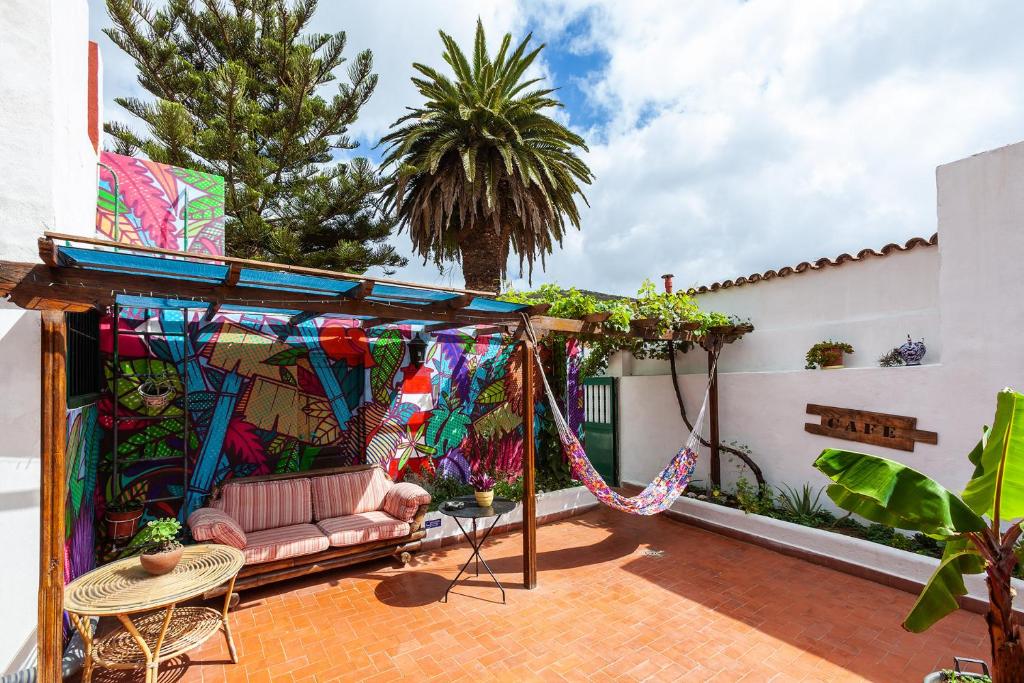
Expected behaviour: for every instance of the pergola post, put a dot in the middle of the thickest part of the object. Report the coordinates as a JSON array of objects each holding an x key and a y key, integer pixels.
[
  {"x": 715, "y": 462},
  {"x": 53, "y": 430},
  {"x": 529, "y": 500}
]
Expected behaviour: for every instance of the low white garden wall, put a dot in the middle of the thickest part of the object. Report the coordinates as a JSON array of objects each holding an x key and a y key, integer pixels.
[
  {"x": 873, "y": 557},
  {"x": 575, "y": 500}
]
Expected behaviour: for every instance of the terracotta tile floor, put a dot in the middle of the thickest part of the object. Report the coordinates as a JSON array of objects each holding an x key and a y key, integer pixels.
[{"x": 703, "y": 608}]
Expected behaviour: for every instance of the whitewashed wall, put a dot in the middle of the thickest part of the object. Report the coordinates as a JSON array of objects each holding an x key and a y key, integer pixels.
[
  {"x": 962, "y": 297},
  {"x": 48, "y": 165}
]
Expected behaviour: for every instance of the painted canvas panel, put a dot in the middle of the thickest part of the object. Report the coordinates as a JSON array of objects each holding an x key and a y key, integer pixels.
[{"x": 159, "y": 205}]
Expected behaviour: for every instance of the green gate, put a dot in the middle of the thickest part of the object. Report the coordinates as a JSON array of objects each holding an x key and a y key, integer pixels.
[{"x": 599, "y": 426}]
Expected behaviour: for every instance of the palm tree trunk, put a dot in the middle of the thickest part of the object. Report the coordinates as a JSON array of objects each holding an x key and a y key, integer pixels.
[{"x": 483, "y": 259}]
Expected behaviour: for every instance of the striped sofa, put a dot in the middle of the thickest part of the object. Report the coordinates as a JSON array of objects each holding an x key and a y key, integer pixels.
[{"x": 289, "y": 525}]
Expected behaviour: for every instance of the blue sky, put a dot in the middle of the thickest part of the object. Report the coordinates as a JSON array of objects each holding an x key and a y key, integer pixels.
[{"x": 725, "y": 137}]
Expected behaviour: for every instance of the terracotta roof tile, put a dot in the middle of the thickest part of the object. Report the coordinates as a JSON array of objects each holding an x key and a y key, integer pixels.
[{"x": 820, "y": 264}]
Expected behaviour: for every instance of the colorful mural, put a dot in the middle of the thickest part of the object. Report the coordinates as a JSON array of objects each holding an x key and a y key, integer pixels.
[
  {"x": 82, "y": 450},
  {"x": 160, "y": 205},
  {"x": 265, "y": 396}
]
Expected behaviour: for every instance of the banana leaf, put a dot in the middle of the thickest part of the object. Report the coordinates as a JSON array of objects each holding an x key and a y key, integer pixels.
[
  {"x": 999, "y": 469},
  {"x": 939, "y": 596},
  {"x": 888, "y": 492}
]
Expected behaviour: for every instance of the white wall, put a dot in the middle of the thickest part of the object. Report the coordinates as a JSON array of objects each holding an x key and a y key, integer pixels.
[
  {"x": 963, "y": 298},
  {"x": 48, "y": 166}
]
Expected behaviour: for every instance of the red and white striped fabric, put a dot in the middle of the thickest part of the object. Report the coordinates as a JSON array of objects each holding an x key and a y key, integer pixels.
[
  {"x": 349, "y": 493},
  {"x": 287, "y": 541},
  {"x": 404, "y": 499},
  {"x": 209, "y": 524},
  {"x": 268, "y": 504},
  {"x": 362, "y": 527}
]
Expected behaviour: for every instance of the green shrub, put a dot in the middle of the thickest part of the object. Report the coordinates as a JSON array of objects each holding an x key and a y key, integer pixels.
[{"x": 756, "y": 501}]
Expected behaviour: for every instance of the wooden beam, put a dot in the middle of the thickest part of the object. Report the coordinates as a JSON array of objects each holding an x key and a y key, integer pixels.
[
  {"x": 250, "y": 263},
  {"x": 234, "y": 273},
  {"x": 48, "y": 251},
  {"x": 300, "y": 318},
  {"x": 375, "y": 322},
  {"x": 529, "y": 471},
  {"x": 715, "y": 462},
  {"x": 53, "y": 427},
  {"x": 440, "y": 327},
  {"x": 27, "y": 283},
  {"x": 460, "y": 301}
]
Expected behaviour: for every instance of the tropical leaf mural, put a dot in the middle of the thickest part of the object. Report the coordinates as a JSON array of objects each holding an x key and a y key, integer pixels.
[{"x": 159, "y": 205}]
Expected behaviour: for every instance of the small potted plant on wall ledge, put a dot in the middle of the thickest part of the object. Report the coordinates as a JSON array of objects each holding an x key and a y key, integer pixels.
[
  {"x": 158, "y": 541},
  {"x": 483, "y": 488},
  {"x": 981, "y": 527},
  {"x": 827, "y": 355}
]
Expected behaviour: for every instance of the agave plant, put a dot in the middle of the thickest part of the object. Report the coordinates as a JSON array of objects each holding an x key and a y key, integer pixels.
[
  {"x": 980, "y": 527},
  {"x": 480, "y": 168}
]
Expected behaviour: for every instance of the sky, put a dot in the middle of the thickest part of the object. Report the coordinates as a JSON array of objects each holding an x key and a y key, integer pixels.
[{"x": 725, "y": 137}]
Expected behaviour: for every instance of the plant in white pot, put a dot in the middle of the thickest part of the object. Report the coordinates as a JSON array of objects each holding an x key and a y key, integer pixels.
[{"x": 980, "y": 527}]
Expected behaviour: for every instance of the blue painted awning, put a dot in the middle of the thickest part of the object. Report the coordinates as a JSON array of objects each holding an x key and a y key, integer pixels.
[{"x": 417, "y": 302}]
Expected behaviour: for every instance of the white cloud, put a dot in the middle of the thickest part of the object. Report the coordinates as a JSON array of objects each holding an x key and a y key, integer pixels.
[{"x": 734, "y": 137}]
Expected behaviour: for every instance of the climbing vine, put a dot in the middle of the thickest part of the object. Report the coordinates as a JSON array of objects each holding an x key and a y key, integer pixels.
[{"x": 665, "y": 312}]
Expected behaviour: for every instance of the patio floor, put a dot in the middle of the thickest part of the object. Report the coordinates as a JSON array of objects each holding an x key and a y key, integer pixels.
[{"x": 700, "y": 608}]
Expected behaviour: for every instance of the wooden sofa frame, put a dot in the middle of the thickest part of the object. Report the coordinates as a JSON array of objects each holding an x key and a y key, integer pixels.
[{"x": 254, "y": 575}]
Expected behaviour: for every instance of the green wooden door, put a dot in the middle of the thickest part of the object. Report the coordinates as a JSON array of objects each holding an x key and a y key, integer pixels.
[{"x": 599, "y": 423}]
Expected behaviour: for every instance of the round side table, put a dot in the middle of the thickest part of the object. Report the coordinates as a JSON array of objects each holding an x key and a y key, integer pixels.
[
  {"x": 473, "y": 512},
  {"x": 123, "y": 588}
]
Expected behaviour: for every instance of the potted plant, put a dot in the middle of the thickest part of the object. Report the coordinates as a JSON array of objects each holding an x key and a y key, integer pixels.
[
  {"x": 483, "y": 488},
  {"x": 827, "y": 355},
  {"x": 980, "y": 527},
  {"x": 159, "y": 544},
  {"x": 156, "y": 392},
  {"x": 123, "y": 519}
]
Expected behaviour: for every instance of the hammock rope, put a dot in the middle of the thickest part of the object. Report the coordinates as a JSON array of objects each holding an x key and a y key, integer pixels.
[{"x": 659, "y": 495}]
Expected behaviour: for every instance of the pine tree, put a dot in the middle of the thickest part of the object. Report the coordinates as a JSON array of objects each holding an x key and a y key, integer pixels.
[{"x": 242, "y": 90}]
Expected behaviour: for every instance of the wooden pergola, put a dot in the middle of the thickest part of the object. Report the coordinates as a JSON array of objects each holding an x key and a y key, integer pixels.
[{"x": 78, "y": 274}]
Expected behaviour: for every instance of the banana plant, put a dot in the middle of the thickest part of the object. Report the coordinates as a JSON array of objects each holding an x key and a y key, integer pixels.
[{"x": 980, "y": 527}]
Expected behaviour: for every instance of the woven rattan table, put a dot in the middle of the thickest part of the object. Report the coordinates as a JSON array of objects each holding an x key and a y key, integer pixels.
[{"x": 123, "y": 588}]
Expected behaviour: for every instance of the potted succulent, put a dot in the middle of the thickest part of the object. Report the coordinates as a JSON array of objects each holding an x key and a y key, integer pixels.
[
  {"x": 123, "y": 519},
  {"x": 159, "y": 544},
  {"x": 980, "y": 527},
  {"x": 483, "y": 488},
  {"x": 827, "y": 355}
]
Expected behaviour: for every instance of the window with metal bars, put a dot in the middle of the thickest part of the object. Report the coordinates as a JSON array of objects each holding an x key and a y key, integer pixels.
[{"x": 83, "y": 364}]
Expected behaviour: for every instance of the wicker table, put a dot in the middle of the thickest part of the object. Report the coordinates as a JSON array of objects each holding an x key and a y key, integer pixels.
[{"x": 123, "y": 588}]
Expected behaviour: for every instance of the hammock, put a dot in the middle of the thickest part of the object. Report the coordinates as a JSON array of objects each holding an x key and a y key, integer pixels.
[{"x": 660, "y": 493}]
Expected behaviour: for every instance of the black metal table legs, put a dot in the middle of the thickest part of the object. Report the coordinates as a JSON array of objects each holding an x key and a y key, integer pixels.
[{"x": 476, "y": 556}]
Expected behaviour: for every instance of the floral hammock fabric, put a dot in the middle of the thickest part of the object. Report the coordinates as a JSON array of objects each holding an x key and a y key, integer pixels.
[{"x": 658, "y": 496}]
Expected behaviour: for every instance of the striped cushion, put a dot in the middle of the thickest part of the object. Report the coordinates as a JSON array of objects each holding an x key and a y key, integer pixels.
[
  {"x": 362, "y": 527},
  {"x": 404, "y": 499},
  {"x": 337, "y": 495},
  {"x": 210, "y": 524},
  {"x": 283, "y": 542},
  {"x": 268, "y": 504}
]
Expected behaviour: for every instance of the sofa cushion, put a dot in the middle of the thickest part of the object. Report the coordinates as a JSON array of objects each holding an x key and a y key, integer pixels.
[
  {"x": 349, "y": 493},
  {"x": 211, "y": 524},
  {"x": 404, "y": 499},
  {"x": 283, "y": 542},
  {"x": 362, "y": 527},
  {"x": 268, "y": 504}
]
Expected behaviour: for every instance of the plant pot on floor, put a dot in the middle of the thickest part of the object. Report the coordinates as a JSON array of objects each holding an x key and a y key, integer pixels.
[
  {"x": 158, "y": 562},
  {"x": 122, "y": 524},
  {"x": 484, "y": 498},
  {"x": 958, "y": 674}
]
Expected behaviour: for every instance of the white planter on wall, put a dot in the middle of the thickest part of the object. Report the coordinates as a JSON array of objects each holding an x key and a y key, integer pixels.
[
  {"x": 900, "y": 566},
  {"x": 572, "y": 500}
]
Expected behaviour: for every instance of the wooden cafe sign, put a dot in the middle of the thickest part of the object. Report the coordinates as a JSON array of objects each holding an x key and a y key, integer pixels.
[{"x": 878, "y": 429}]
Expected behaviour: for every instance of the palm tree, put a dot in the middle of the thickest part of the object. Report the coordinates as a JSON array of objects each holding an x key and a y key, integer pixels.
[{"x": 479, "y": 168}]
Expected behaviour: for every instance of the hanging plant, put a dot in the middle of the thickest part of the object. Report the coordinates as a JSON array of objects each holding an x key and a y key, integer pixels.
[{"x": 156, "y": 392}]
